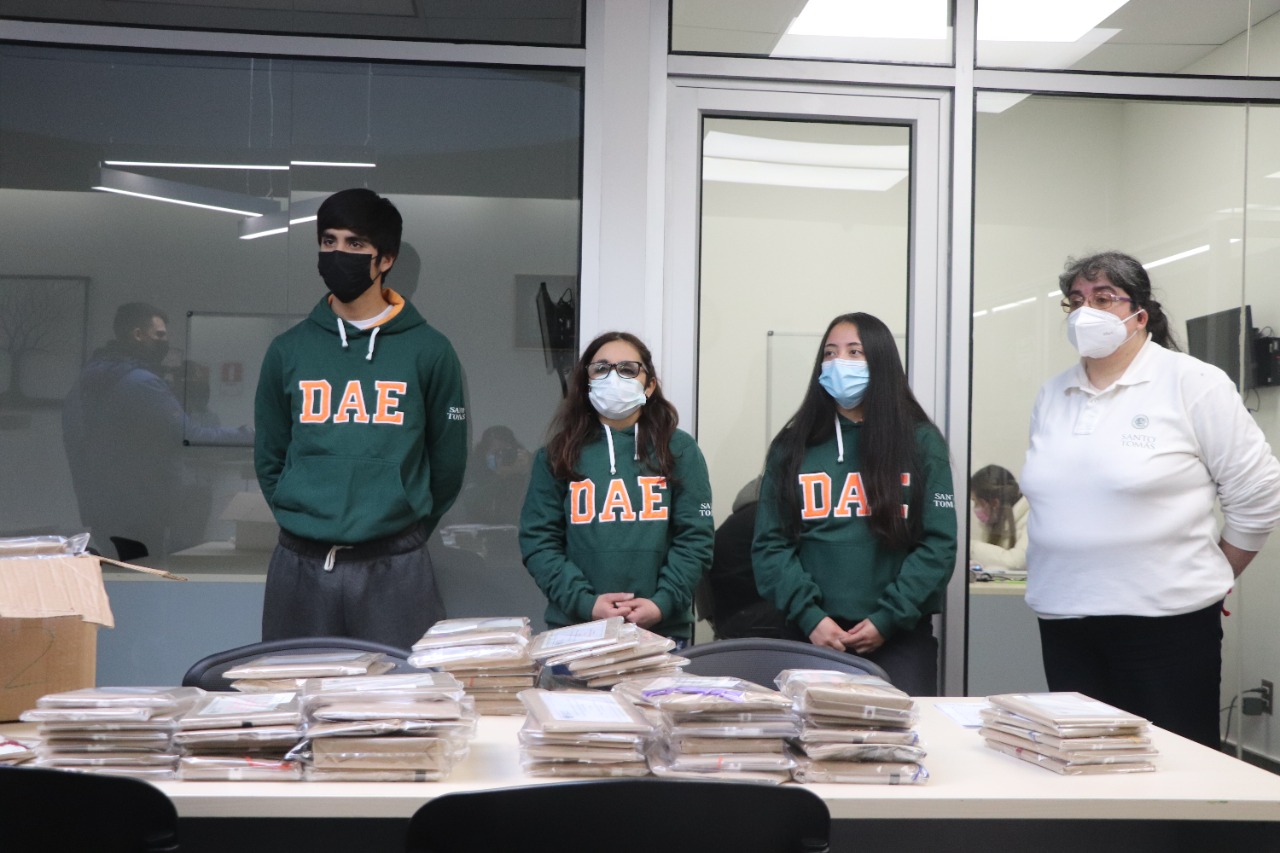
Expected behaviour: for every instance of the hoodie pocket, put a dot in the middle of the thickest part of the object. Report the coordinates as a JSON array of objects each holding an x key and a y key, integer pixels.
[{"x": 342, "y": 498}]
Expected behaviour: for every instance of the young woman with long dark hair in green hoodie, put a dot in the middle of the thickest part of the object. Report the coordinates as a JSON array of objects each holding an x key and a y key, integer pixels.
[
  {"x": 617, "y": 519},
  {"x": 856, "y": 529}
]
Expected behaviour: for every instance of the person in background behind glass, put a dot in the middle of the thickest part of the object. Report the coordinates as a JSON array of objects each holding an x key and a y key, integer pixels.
[
  {"x": 123, "y": 428},
  {"x": 1130, "y": 450},
  {"x": 999, "y": 541}
]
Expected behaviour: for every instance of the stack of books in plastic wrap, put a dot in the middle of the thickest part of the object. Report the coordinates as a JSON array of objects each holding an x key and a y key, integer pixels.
[
  {"x": 244, "y": 737},
  {"x": 488, "y": 655},
  {"x": 603, "y": 653},
  {"x": 411, "y": 727},
  {"x": 583, "y": 733},
  {"x": 1068, "y": 733},
  {"x": 285, "y": 672},
  {"x": 124, "y": 731},
  {"x": 856, "y": 729},
  {"x": 717, "y": 728}
]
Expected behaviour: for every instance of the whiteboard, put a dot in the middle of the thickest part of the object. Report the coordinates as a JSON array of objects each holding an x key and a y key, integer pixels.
[
  {"x": 789, "y": 362},
  {"x": 223, "y": 360}
]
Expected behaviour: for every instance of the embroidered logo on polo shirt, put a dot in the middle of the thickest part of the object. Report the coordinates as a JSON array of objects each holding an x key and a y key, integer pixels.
[
  {"x": 1133, "y": 439},
  {"x": 1140, "y": 421}
]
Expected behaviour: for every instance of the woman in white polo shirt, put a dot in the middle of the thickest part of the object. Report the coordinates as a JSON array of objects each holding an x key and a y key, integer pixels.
[{"x": 1130, "y": 450}]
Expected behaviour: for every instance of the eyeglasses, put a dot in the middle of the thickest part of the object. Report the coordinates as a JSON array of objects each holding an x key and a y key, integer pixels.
[
  {"x": 1102, "y": 300},
  {"x": 626, "y": 369}
]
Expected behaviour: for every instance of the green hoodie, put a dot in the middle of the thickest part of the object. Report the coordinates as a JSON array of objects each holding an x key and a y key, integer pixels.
[
  {"x": 360, "y": 433},
  {"x": 839, "y": 568},
  {"x": 628, "y": 531}
]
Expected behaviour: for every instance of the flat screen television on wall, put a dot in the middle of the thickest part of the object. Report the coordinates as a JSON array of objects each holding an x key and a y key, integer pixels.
[{"x": 1215, "y": 338}]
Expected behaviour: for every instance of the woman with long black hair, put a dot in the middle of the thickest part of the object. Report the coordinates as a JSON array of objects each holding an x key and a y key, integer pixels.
[
  {"x": 617, "y": 520},
  {"x": 856, "y": 530}
]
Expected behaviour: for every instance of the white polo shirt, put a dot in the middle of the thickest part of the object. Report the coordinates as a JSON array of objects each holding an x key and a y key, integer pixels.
[{"x": 1122, "y": 484}]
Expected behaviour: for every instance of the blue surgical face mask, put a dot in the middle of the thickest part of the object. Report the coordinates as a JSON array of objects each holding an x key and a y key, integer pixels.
[{"x": 845, "y": 380}]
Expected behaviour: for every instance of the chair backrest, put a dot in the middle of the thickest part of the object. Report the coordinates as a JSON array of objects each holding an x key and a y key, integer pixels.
[
  {"x": 64, "y": 810},
  {"x": 760, "y": 659},
  {"x": 207, "y": 672},
  {"x": 624, "y": 816}
]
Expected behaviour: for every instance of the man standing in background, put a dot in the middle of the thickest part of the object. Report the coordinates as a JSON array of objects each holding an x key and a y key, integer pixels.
[{"x": 123, "y": 429}]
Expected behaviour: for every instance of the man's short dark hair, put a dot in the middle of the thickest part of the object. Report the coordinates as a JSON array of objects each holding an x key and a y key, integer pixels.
[
  {"x": 365, "y": 213},
  {"x": 135, "y": 315}
]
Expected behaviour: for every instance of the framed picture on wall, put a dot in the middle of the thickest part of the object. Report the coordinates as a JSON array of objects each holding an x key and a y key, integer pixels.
[{"x": 43, "y": 323}]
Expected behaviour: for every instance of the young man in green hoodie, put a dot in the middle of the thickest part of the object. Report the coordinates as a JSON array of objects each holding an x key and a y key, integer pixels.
[{"x": 361, "y": 443}]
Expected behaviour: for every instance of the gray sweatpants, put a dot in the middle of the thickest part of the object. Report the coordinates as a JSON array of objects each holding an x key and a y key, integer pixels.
[{"x": 383, "y": 590}]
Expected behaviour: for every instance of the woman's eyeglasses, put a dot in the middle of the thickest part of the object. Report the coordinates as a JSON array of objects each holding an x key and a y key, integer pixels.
[
  {"x": 626, "y": 369},
  {"x": 1102, "y": 300}
]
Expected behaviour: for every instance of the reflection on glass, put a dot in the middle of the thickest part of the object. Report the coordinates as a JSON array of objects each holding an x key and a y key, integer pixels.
[
  {"x": 916, "y": 31},
  {"x": 1143, "y": 36}
]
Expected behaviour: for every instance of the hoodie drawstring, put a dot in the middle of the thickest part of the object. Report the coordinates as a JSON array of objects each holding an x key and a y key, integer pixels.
[
  {"x": 608, "y": 434},
  {"x": 373, "y": 336},
  {"x": 839, "y": 441}
]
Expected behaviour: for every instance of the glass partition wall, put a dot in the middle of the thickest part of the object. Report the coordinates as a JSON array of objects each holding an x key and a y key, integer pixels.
[{"x": 190, "y": 184}]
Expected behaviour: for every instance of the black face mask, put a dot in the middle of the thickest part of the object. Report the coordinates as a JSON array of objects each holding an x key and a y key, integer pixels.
[
  {"x": 152, "y": 352},
  {"x": 346, "y": 274}
]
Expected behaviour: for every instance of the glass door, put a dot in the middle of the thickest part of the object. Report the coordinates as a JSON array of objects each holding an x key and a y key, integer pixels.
[{"x": 785, "y": 209}]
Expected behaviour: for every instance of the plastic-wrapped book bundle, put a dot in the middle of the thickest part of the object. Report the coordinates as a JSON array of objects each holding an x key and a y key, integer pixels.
[
  {"x": 583, "y": 733},
  {"x": 1068, "y": 733},
  {"x": 488, "y": 655},
  {"x": 856, "y": 729},
  {"x": 412, "y": 727},
  {"x": 17, "y": 750},
  {"x": 603, "y": 653},
  {"x": 284, "y": 672},
  {"x": 240, "y": 737},
  {"x": 123, "y": 731},
  {"x": 717, "y": 728}
]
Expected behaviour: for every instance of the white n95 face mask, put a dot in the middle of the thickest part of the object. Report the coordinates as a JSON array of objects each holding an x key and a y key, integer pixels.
[
  {"x": 615, "y": 397},
  {"x": 1097, "y": 334}
]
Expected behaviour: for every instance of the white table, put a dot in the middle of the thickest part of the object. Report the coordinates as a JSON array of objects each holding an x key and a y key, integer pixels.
[
  {"x": 971, "y": 789},
  {"x": 967, "y": 780}
]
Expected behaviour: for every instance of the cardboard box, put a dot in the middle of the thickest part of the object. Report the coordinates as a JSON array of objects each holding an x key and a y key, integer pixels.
[
  {"x": 50, "y": 609},
  {"x": 256, "y": 528}
]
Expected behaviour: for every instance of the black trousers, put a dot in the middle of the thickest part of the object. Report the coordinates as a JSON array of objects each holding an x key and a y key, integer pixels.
[
  {"x": 383, "y": 591},
  {"x": 1165, "y": 668}
]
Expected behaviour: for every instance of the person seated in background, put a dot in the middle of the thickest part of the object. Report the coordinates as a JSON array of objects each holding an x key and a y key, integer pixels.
[
  {"x": 999, "y": 522},
  {"x": 727, "y": 596},
  {"x": 494, "y": 490}
]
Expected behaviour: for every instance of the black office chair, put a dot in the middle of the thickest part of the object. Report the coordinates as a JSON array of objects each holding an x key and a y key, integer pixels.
[
  {"x": 63, "y": 810},
  {"x": 760, "y": 659},
  {"x": 625, "y": 816},
  {"x": 208, "y": 672}
]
